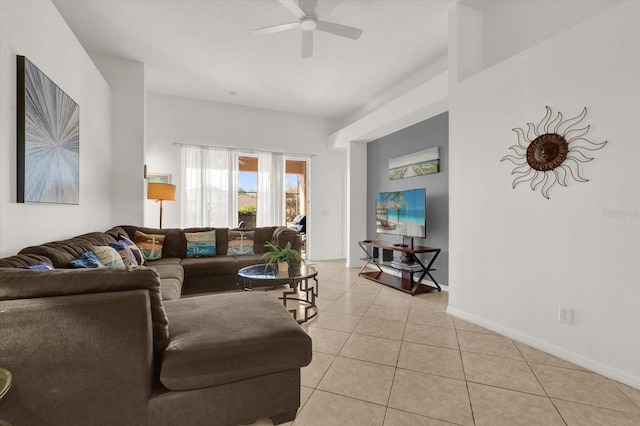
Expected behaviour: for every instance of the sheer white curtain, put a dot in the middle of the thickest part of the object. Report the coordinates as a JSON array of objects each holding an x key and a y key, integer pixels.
[
  {"x": 209, "y": 187},
  {"x": 271, "y": 197}
]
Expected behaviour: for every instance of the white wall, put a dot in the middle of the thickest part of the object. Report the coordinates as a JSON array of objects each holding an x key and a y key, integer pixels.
[
  {"x": 516, "y": 256},
  {"x": 513, "y": 26},
  {"x": 357, "y": 201},
  {"x": 126, "y": 79},
  {"x": 36, "y": 30},
  {"x": 177, "y": 119}
]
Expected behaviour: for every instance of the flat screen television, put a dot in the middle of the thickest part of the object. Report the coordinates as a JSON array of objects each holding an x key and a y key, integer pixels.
[{"x": 402, "y": 213}]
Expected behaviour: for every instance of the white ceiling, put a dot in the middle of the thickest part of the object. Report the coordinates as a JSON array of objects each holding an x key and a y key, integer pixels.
[{"x": 204, "y": 49}]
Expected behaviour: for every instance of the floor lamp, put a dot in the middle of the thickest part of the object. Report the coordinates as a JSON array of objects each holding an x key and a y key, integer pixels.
[{"x": 161, "y": 192}]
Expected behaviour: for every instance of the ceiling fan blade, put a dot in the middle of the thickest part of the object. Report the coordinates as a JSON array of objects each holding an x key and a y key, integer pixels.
[
  {"x": 339, "y": 29},
  {"x": 325, "y": 6},
  {"x": 294, "y": 8},
  {"x": 307, "y": 44},
  {"x": 308, "y": 6},
  {"x": 276, "y": 29}
]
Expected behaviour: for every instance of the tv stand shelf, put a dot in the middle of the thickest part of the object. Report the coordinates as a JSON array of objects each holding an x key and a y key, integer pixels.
[{"x": 410, "y": 265}]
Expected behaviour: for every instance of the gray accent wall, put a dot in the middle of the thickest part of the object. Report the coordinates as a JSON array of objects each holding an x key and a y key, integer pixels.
[{"x": 426, "y": 134}]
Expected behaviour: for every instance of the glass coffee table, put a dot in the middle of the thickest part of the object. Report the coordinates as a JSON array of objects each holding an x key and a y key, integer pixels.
[{"x": 300, "y": 300}]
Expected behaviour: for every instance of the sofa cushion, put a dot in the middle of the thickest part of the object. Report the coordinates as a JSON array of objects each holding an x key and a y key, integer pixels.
[
  {"x": 224, "y": 338},
  {"x": 251, "y": 259},
  {"x": 25, "y": 284},
  {"x": 171, "y": 277},
  {"x": 263, "y": 235},
  {"x": 22, "y": 260},
  {"x": 61, "y": 253},
  {"x": 174, "y": 242},
  {"x": 283, "y": 235},
  {"x": 208, "y": 266}
]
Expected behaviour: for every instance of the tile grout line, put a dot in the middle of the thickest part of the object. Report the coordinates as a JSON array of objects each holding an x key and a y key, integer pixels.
[{"x": 464, "y": 372}]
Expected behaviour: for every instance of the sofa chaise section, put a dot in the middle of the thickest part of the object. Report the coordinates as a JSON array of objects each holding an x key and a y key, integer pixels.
[{"x": 99, "y": 346}]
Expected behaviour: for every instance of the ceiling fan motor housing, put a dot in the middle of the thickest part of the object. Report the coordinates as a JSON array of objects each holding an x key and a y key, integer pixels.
[{"x": 308, "y": 24}]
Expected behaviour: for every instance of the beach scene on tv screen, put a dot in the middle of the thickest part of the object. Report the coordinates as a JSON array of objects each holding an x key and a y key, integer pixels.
[{"x": 401, "y": 213}]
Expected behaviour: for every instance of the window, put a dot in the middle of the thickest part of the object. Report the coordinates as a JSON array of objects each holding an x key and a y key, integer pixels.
[
  {"x": 222, "y": 187},
  {"x": 247, "y": 190},
  {"x": 295, "y": 188}
]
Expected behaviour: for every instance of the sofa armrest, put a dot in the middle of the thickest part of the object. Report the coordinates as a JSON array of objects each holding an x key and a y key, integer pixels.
[
  {"x": 26, "y": 284},
  {"x": 77, "y": 359},
  {"x": 283, "y": 235}
]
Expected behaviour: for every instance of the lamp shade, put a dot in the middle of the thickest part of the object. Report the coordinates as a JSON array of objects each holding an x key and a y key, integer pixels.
[{"x": 161, "y": 191}]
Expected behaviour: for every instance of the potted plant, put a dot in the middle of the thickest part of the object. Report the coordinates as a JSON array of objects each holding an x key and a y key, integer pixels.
[{"x": 282, "y": 256}]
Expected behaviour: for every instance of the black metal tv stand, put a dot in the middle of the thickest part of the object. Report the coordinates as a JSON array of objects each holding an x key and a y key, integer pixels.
[{"x": 409, "y": 266}]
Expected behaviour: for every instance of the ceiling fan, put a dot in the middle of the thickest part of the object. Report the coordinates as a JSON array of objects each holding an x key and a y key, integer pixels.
[{"x": 308, "y": 22}]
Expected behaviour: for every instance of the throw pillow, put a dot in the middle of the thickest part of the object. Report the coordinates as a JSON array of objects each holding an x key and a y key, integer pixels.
[
  {"x": 240, "y": 243},
  {"x": 134, "y": 249},
  {"x": 108, "y": 256},
  {"x": 150, "y": 245},
  {"x": 40, "y": 266},
  {"x": 201, "y": 244},
  {"x": 125, "y": 253},
  {"x": 87, "y": 260}
]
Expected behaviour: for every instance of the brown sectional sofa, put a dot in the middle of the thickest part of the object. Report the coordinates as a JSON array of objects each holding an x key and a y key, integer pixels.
[{"x": 120, "y": 346}]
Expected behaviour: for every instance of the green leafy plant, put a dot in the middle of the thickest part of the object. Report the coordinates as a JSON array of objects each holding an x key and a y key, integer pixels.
[
  {"x": 248, "y": 210},
  {"x": 277, "y": 254}
]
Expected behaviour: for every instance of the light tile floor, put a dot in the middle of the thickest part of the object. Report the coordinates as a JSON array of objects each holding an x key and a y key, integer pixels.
[{"x": 382, "y": 357}]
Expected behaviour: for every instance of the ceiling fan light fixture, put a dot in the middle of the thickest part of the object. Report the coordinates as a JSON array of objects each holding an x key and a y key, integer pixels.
[{"x": 308, "y": 24}]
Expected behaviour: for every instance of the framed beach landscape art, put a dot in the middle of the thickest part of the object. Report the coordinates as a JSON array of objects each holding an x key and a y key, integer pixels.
[
  {"x": 48, "y": 134},
  {"x": 416, "y": 164}
]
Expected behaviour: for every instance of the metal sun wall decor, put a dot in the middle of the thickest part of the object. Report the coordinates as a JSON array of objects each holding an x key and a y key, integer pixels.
[
  {"x": 550, "y": 152},
  {"x": 48, "y": 139}
]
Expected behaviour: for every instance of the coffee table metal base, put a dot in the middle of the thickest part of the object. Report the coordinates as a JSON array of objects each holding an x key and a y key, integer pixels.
[
  {"x": 300, "y": 299},
  {"x": 308, "y": 303}
]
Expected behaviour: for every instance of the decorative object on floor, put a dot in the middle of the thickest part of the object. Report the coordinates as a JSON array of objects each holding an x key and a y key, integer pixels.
[
  {"x": 48, "y": 134},
  {"x": 419, "y": 163},
  {"x": 161, "y": 192},
  {"x": 282, "y": 256},
  {"x": 305, "y": 11},
  {"x": 551, "y": 152}
]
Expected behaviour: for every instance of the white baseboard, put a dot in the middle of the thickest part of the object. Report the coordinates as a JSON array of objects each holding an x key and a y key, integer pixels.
[{"x": 589, "y": 364}]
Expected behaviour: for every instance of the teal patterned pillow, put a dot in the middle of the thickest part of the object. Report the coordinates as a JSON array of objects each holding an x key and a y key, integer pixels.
[
  {"x": 201, "y": 244},
  {"x": 150, "y": 245},
  {"x": 241, "y": 243}
]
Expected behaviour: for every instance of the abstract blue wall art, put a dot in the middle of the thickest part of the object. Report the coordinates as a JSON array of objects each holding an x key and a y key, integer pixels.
[{"x": 48, "y": 139}]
